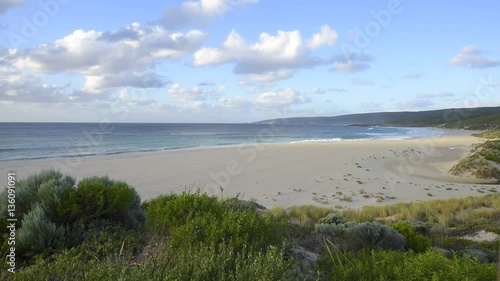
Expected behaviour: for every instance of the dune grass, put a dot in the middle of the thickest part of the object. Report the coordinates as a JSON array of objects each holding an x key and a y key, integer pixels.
[
  {"x": 448, "y": 212},
  {"x": 477, "y": 164}
]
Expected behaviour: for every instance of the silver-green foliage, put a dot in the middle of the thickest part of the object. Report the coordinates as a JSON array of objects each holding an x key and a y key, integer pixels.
[
  {"x": 332, "y": 218},
  {"x": 38, "y": 233},
  {"x": 370, "y": 235}
]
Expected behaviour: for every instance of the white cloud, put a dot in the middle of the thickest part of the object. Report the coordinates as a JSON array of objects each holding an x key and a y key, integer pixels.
[
  {"x": 124, "y": 96},
  {"x": 184, "y": 94},
  {"x": 272, "y": 58},
  {"x": 234, "y": 102},
  {"x": 196, "y": 93},
  {"x": 283, "y": 98},
  {"x": 6, "y": 5},
  {"x": 199, "y": 11},
  {"x": 471, "y": 56},
  {"x": 111, "y": 59},
  {"x": 271, "y": 76},
  {"x": 327, "y": 36},
  {"x": 351, "y": 62}
]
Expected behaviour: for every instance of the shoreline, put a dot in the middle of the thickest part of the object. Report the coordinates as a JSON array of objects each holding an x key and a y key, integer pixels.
[
  {"x": 446, "y": 132},
  {"x": 330, "y": 174}
]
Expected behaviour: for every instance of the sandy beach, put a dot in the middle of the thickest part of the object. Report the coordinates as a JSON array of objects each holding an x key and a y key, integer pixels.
[{"x": 337, "y": 174}]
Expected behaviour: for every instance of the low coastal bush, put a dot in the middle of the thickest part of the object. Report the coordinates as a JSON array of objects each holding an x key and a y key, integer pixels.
[
  {"x": 53, "y": 213},
  {"x": 332, "y": 218},
  {"x": 197, "y": 263},
  {"x": 414, "y": 241},
  {"x": 103, "y": 198},
  {"x": 404, "y": 266},
  {"x": 28, "y": 190},
  {"x": 367, "y": 235},
  {"x": 194, "y": 217},
  {"x": 97, "y": 231},
  {"x": 38, "y": 234}
]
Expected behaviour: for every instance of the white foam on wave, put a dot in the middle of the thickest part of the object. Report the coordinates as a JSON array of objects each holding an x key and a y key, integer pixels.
[{"x": 331, "y": 140}]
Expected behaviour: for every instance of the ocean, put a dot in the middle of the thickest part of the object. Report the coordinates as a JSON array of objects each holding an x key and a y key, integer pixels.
[{"x": 23, "y": 141}]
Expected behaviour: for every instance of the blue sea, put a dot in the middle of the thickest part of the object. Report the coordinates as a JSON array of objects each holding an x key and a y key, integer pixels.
[{"x": 22, "y": 141}]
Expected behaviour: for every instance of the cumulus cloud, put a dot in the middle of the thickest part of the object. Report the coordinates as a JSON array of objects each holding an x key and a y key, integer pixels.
[
  {"x": 184, "y": 94},
  {"x": 327, "y": 36},
  {"x": 283, "y": 98},
  {"x": 19, "y": 86},
  {"x": 351, "y": 62},
  {"x": 199, "y": 11},
  {"x": 6, "y": 5},
  {"x": 273, "y": 52},
  {"x": 111, "y": 59},
  {"x": 272, "y": 58},
  {"x": 471, "y": 56},
  {"x": 196, "y": 93},
  {"x": 234, "y": 102},
  {"x": 124, "y": 96},
  {"x": 271, "y": 76}
]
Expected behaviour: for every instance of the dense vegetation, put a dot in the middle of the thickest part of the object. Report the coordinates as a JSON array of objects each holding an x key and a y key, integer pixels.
[
  {"x": 98, "y": 229},
  {"x": 493, "y": 134},
  {"x": 485, "y": 118},
  {"x": 482, "y": 163}
]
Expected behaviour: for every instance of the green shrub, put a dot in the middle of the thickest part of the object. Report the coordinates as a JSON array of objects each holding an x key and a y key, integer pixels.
[
  {"x": 170, "y": 211},
  {"x": 367, "y": 235},
  {"x": 197, "y": 218},
  {"x": 102, "y": 198},
  {"x": 414, "y": 241},
  {"x": 201, "y": 262},
  {"x": 333, "y": 218},
  {"x": 473, "y": 252},
  {"x": 27, "y": 191},
  {"x": 407, "y": 266},
  {"x": 331, "y": 230},
  {"x": 38, "y": 234},
  {"x": 371, "y": 235}
]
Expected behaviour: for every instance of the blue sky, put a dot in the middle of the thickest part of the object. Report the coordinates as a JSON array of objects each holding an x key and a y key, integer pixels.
[{"x": 243, "y": 60}]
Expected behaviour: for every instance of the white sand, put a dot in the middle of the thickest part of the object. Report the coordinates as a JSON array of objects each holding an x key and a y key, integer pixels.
[{"x": 288, "y": 174}]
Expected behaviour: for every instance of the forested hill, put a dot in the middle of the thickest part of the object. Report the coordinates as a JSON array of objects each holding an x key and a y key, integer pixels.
[{"x": 482, "y": 118}]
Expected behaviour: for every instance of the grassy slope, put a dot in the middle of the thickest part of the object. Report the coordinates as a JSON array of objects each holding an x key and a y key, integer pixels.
[{"x": 477, "y": 164}]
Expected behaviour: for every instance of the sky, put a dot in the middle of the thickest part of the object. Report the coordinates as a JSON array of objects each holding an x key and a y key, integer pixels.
[{"x": 229, "y": 61}]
